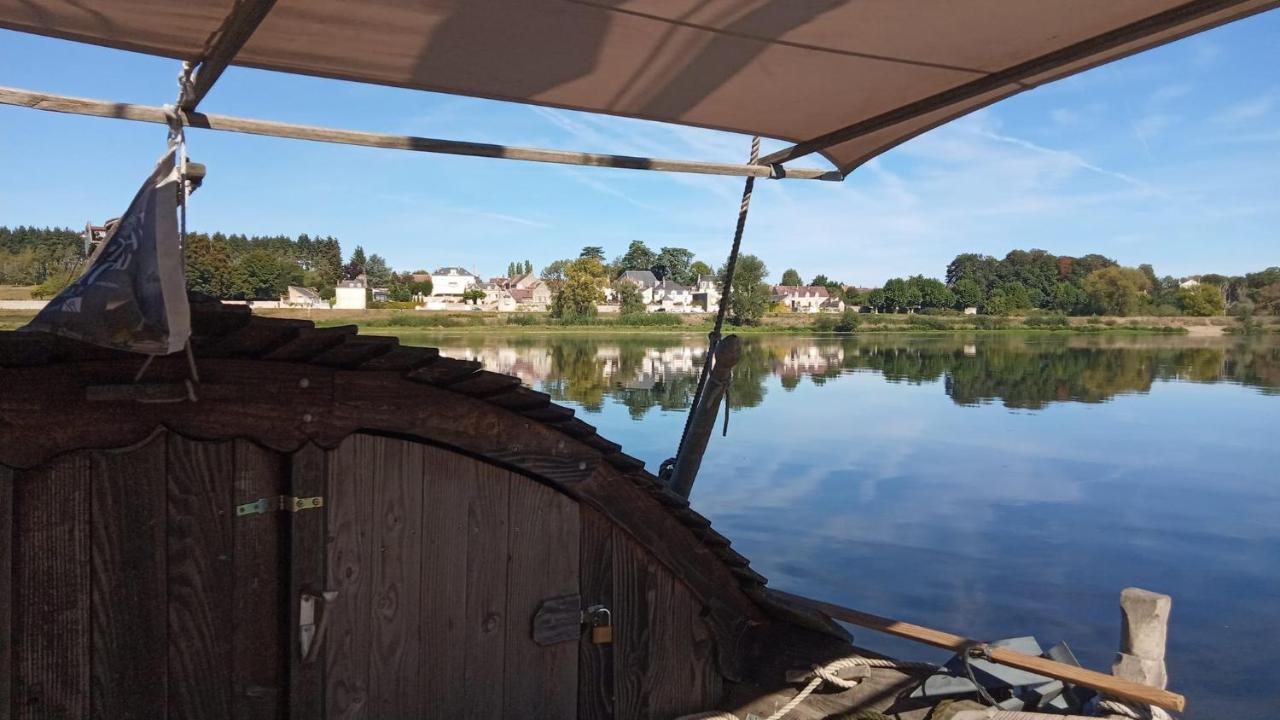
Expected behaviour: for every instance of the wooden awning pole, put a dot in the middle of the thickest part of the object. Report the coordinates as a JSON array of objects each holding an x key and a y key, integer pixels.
[
  {"x": 144, "y": 113},
  {"x": 1107, "y": 684}
]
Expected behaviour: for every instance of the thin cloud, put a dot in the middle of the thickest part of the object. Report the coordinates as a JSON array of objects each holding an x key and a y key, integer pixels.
[
  {"x": 1066, "y": 156},
  {"x": 1246, "y": 111}
]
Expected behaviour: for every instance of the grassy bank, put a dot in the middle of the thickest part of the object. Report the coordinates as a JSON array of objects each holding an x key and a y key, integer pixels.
[{"x": 399, "y": 322}]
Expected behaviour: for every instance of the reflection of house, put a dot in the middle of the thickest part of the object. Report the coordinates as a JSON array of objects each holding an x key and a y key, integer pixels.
[
  {"x": 350, "y": 294},
  {"x": 452, "y": 281},
  {"x": 806, "y": 298},
  {"x": 304, "y": 297}
]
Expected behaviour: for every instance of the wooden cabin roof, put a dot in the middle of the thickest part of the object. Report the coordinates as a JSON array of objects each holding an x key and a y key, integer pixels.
[{"x": 229, "y": 332}]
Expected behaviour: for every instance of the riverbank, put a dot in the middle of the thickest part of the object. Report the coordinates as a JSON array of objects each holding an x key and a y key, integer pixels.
[{"x": 400, "y": 322}]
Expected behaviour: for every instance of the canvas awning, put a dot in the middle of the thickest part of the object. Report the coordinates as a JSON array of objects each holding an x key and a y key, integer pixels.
[{"x": 848, "y": 78}]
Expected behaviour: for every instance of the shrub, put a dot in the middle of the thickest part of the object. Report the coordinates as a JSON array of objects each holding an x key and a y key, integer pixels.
[
  {"x": 848, "y": 321},
  {"x": 526, "y": 319},
  {"x": 929, "y": 322},
  {"x": 650, "y": 319},
  {"x": 990, "y": 322},
  {"x": 1047, "y": 320},
  {"x": 391, "y": 305}
]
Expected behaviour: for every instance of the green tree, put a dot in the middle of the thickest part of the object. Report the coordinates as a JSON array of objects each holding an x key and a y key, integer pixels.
[
  {"x": 630, "y": 301},
  {"x": 378, "y": 271},
  {"x": 981, "y": 269},
  {"x": 749, "y": 295},
  {"x": 581, "y": 292},
  {"x": 638, "y": 257},
  {"x": 209, "y": 266},
  {"x": 260, "y": 275},
  {"x": 895, "y": 294},
  {"x": 358, "y": 259},
  {"x": 592, "y": 251},
  {"x": 790, "y": 277},
  {"x": 472, "y": 295},
  {"x": 327, "y": 261},
  {"x": 1116, "y": 290},
  {"x": 677, "y": 261},
  {"x": 878, "y": 300},
  {"x": 1201, "y": 300},
  {"x": 699, "y": 269},
  {"x": 1067, "y": 298},
  {"x": 933, "y": 293},
  {"x": 1008, "y": 298},
  {"x": 968, "y": 293},
  {"x": 555, "y": 272}
]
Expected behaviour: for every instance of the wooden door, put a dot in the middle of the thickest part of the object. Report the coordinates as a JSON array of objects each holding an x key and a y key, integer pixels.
[{"x": 439, "y": 562}]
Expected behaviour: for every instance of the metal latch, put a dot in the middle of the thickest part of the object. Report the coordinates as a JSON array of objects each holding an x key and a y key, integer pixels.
[
  {"x": 600, "y": 620},
  {"x": 311, "y": 629},
  {"x": 280, "y": 503}
]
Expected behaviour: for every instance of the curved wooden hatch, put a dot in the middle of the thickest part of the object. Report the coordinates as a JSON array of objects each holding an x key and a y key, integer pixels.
[{"x": 155, "y": 567}]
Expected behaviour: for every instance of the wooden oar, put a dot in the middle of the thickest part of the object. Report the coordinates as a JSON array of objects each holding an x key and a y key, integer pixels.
[{"x": 1109, "y": 684}]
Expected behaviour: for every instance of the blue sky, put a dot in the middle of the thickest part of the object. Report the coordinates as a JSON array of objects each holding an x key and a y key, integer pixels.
[{"x": 1171, "y": 157}]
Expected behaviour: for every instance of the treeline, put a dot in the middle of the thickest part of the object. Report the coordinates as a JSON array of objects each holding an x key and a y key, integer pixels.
[
  {"x": 260, "y": 267},
  {"x": 39, "y": 256},
  {"x": 1037, "y": 280}
]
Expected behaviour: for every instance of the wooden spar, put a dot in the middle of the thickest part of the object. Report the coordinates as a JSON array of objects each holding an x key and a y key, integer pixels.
[
  {"x": 689, "y": 459},
  {"x": 1107, "y": 684},
  {"x": 1016, "y": 75},
  {"x": 234, "y": 33},
  {"x": 145, "y": 113}
]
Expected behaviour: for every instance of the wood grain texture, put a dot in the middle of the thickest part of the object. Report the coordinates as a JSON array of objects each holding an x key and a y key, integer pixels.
[
  {"x": 595, "y": 662},
  {"x": 349, "y": 499},
  {"x": 543, "y": 534},
  {"x": 200, "y": 551},
  {"x": 664, "y": 657},
  {"x": 51, "y": 590},
  {"x": 307, "y": 563},
  {"x": 449, "y": 489},
  {"x": 484, "y": 641},
  {"x": 6, "y": 590},
  {"x": 129, "y": 582},
  {"x": 396, "y": 562},
  {"x": 257, "y": 632}
]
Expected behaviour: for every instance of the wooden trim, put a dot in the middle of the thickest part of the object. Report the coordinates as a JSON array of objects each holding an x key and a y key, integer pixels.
[
  {"x": 236, "y": 30},
  {"x": 1107, "y": 684},
  {"x": 1016, "y": 75},
  {"x": 145, "y": 113}
]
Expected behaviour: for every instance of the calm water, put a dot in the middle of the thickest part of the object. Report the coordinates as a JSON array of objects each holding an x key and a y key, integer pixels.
[{"x": 991, "y": 486}]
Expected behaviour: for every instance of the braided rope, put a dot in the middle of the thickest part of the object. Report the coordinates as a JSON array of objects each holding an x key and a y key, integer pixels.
[
  {"x": 1131, "y": 710},
  {"x": 824, "y": 673}
]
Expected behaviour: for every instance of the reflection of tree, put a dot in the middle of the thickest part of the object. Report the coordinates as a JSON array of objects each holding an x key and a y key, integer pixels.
[{"x": 646, "y": 372}]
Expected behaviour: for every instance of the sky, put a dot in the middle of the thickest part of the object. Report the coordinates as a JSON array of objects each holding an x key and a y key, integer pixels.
[{"x": 1171, "y": 157}]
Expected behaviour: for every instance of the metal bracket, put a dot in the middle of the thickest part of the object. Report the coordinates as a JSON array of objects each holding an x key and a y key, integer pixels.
[{"x": 279, "y": 503}]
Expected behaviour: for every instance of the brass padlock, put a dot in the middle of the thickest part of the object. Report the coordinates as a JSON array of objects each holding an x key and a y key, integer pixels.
[{"x": 601, "y": 621}]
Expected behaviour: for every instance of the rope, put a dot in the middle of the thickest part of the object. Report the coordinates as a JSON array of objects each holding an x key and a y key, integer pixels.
[
  {"x": 1131, "y": 710},
  {"x": 713, "y": 337},
  {"x": 981, "y": 650},
  {"x": 823, "y": 674}
]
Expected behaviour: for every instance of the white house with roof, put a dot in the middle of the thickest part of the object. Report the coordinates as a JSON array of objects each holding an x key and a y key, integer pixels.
[
  {"x": 806, "y": 298},
  {"x": 350, "y": 294},
  {"x": 306, "y": 297},
  {"x": 670, "y": 296},
  {"x": 706, "y": 293},
  {"x": 644, "y": 280},
  {"x": 452, "y": 281},
  {"x": 536, "y": 297}
]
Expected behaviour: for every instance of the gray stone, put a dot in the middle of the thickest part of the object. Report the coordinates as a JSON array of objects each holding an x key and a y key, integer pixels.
[
  {"x": 1142, "y": 670},
  {"x": 1145, "y": 618}
]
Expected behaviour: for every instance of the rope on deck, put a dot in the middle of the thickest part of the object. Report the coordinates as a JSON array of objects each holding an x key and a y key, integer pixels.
[{"x": 820, "y": 674}]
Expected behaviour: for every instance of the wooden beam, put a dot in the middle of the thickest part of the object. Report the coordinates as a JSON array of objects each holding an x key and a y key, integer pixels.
[
  {"x": 226, "y": 43},
  {"x": 1015, "y": 75},
  {"x": 227, "y": 123},
  {"x": 1107, "y": 684}
]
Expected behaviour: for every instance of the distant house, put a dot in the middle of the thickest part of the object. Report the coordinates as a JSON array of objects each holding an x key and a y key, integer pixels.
[
  {"x": 670, "y": 296},
  {"x": 452, "y": 281},
  {"x": 644, "y": 280},
  {"x": 805, "y": 298},
  {"x": 1188, "y": 283},
  {"x": 303, "y": 297},
  {"x": 350, "y": 294},
  {"x": 380, "y": 294},
  {"x": 525, "y": 281},
  {"x": 536, "y": 298},
  {"x": 496, "y": 297},
  {"x": 706, "y": 293}
]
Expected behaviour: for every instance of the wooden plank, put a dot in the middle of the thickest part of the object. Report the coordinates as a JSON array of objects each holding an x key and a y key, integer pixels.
[
  {"x": 349, "y": 499},
  {"x": 449, "y": 490},
  {"x": 51, "y": 590},
  {"x": 257, "y": 616},
  {"x": 129, "y": 678},
  {"x": 484, "y": 642},
  {"x": 664, "y": 655},
  {"x": 1107, "y": 684},
  {"x": 595, "y": 662},
  {"x": 543, "y": 533},
  {"x": 237, "y": 28},
  {"x": 144, "y": 113},
  {"x": 307, "y": 563},
  {"x": 200, "y": 547},
  {"x": 395, "y": 673},
  {"x": 6, "y": 590}
]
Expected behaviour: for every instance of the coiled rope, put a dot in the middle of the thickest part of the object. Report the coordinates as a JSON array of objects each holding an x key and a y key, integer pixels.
[{"x": 824, "y": 674}]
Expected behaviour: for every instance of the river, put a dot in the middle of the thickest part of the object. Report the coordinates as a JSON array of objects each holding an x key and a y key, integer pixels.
[{"x": 992, "y": 486}]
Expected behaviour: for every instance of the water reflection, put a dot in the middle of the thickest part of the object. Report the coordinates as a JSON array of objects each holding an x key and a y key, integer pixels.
[{"x": 647, "y": 372}]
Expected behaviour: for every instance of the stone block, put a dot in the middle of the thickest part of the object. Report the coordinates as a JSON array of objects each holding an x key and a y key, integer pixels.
[
  {"x": 1145, "y": 623},
  {"x": 1142, "y": 670}
]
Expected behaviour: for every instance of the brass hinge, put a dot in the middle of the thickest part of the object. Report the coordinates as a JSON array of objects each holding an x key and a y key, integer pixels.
[{"x": 280, "y": 503}]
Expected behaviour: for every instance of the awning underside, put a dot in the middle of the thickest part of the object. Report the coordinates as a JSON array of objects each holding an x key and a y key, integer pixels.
[{"x": 790, "y": 69}]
